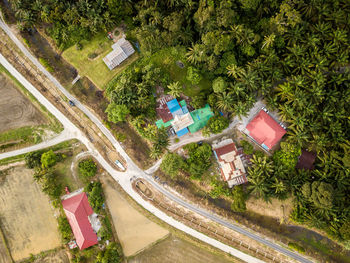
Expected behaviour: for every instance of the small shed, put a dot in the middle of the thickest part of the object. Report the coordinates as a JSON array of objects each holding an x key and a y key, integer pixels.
[{"x": 306, "y": 160}]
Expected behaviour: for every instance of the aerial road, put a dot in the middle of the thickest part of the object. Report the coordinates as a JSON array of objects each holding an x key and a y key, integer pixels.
[{"x": 132, "y": 169}]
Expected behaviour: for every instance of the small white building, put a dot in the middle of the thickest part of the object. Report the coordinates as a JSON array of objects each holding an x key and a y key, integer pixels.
[{"x": 122, "y": 49}]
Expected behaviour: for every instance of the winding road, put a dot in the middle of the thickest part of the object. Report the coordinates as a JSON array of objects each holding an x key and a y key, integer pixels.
[{"x": 123, "y": 178}]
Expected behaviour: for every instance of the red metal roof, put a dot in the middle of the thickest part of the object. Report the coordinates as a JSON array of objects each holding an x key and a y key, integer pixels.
[
  {"x": 77, "y": 210},
  {"x": 162, "y": 109},
  {"x": 265, "y": 130}
]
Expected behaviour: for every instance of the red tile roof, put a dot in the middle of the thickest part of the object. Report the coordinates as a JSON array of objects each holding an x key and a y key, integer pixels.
[
  {"x": 77, "y": 210},
  {"x": 265, "y": 130}
]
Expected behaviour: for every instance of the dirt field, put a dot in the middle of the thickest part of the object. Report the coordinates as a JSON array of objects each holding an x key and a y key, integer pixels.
[
  {"x": 276, "y": 208},
  {"x": 135, "y": 232},
  {"x": 175, "y": 250},
  {"x": 15, "y": 110},
  {"x": 27, "y": 219}
]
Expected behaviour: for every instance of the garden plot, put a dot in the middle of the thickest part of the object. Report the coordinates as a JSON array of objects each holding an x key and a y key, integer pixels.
[
  {"x": 135, "y": 231},
  {"x": 16, "y": 110},
  {"x": 27, "y": 219}
]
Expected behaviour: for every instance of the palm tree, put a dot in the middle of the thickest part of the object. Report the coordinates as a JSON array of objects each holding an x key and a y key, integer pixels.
[
  {"x": 196, "y": 54},
  {"x": 263, "y": 164},
  {"x": 175, "y": 89},
  {"x": 235, "y": 71},
  {"x": 268, "y": 41},
  {"x": 224, "y": 101},
  {"x": 258, "y": 186},
  {"x": 278, "y": 186}
]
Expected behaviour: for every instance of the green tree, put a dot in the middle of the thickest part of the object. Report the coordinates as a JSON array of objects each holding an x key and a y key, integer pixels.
[
  {"x": 193, "y": 75},
  {"x": 219, "y": 85},
  {"x": 117, "y": 113},
  {"x": 172, "y": 164},
  {"x": 87, "y": 168},
  {"x": 48, "y": 159},
  {"x": 322, "y": 194},
  {"x": 95, "y": 195},
  {"x": 217, "y": 124},
  {"x": 112, "y": 254}
]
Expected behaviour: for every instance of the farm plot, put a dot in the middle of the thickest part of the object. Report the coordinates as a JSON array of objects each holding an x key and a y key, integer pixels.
[
  {"x": 26, "y": 220},
  {"x": 16, "y": 110},
  {"x": 175, "y": 250},
  {"x": 135, "y": 231}
]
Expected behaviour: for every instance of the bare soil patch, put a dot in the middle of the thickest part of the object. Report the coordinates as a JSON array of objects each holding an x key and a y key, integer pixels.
[
  {"x": 27, "y": 219},
  {"x": 60, "y": 256},
  {"x": 176, "y": 250},
  {"x": 275, "y": 208},
  {"x": 135, "y": 231},
  {"x": 16, "y": 110}
]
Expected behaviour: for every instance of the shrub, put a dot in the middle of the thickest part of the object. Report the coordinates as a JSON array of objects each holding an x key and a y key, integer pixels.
[
  {"x": 172, "y": 163},
  {"x": 193, "y": 75},
  {"x": 239, "y": 198},
  {"x": 78, "y": 46},
  {"x": 296, "y": 247},
  {"x": 87, "y": 168}
]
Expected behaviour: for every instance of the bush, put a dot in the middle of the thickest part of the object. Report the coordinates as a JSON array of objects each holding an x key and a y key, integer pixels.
[
  {"x": 33, "y": 159},
  {"x": 247, "y": 147},
  {"x": 296, "y": 247},
  {"x": 64, "y": 228},
  {"x": 87, "y": 168},
  {"x": 172, "y": 164},
  {"x": 78, "y": 46},
  {"x": 48, "y": 159},
  {"x": 112, "y": 254},
  {"x": 92, "y": 55}
]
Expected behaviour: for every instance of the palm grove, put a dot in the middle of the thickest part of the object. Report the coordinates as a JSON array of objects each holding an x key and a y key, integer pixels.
[{"x": 293, "y": 53}]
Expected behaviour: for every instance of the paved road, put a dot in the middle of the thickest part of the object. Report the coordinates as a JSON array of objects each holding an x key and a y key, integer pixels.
[
  {"x": 132, "y": 168},
  {"x": 123, "y": 178},
  {"x": 65, "y": 135}
]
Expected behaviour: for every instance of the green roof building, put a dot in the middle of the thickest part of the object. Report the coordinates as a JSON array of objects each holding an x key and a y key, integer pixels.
[{"x": 200, "y": 118}]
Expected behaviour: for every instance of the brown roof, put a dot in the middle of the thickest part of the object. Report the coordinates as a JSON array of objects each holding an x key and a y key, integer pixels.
[
  {"x": 306, "y": 160},
  {"x": 225, "y": 149},
  {"x": 162, "y": 109}
]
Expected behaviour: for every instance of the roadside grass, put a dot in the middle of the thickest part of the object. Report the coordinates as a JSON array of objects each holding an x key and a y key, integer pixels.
[
  {"x": 167, "y": 58},
  {"x": 94, "y": 68},
  {"x": 30, "y": 134}
]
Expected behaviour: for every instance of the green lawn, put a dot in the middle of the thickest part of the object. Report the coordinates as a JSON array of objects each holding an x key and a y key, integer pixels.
[
  {"x": 95, "y": 69},
  {"x": 166, "y": 58}
]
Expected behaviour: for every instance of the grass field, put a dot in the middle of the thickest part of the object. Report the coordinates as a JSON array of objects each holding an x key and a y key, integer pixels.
[
  {"x": 27, "y": 219},
  {"x": 95, "y": 69},
  {"x": 167, "y": 58},
  {"x": 135, "y": 231},
  {"x": 176, "y": 250}
]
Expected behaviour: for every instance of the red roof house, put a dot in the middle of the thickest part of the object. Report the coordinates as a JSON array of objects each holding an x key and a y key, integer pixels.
[
  {"x": 231, "y": 165},
  {"x": 77, "y": 210},
  {"x": 265, "y": 130}
]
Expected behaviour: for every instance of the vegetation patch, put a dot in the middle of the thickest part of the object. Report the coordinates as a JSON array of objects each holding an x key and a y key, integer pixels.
[{"x": 88, "y": 60}]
